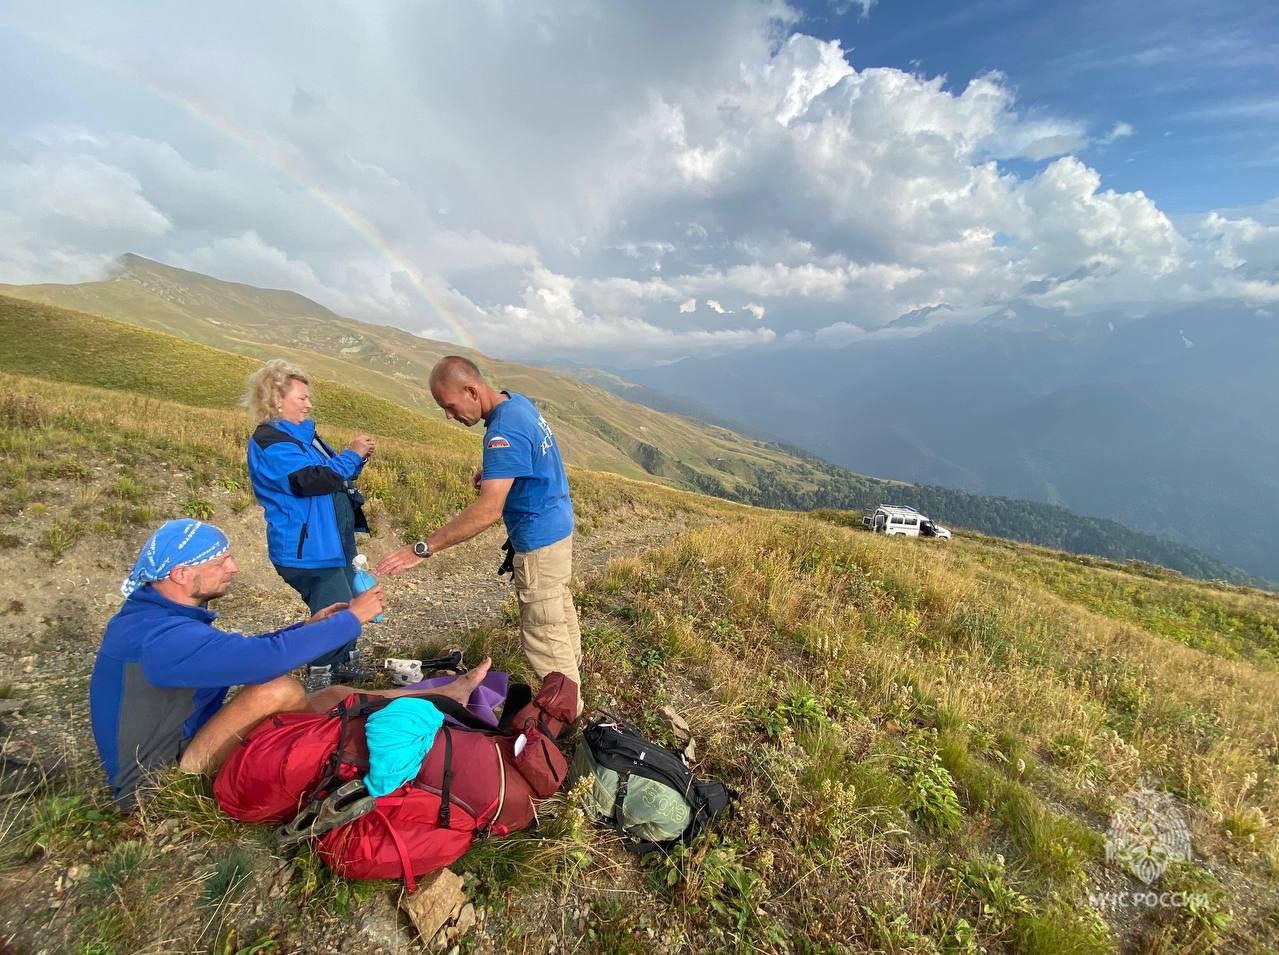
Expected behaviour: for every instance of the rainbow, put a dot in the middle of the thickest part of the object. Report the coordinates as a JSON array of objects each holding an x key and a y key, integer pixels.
[{"x": 262, "y": 148}]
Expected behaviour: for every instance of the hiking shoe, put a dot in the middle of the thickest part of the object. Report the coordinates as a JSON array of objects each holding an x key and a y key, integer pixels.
[
  {"x": 353, "y": 670},
  {"x": 451, "y": 660},
  {"x": 403, "y": 671},
  {"x": 318, "y": 678}
]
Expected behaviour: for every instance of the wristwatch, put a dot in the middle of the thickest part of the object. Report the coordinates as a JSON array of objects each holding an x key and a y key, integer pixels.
[{"x": 422, "y": 549}]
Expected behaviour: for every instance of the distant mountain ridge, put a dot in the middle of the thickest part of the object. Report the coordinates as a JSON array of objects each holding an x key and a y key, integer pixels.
[
  {"x": 1167, "y": 424},
  {"x": 596, "y": 428}
]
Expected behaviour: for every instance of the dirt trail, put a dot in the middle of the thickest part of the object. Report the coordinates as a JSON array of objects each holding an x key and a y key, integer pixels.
[{"x": 52, "y": 613}]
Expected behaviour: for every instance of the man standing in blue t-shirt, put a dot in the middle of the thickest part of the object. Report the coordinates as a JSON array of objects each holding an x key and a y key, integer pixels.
[{"x": 522, "y": 480}]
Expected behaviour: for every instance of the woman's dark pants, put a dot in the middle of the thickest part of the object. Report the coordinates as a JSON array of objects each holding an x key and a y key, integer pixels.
[{"x": 320, "y": 587}]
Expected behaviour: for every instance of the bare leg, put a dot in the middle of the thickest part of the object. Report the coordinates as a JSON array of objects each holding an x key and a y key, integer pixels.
[
  {"x": 210, "y": 747},
  {"x": 459, "y": 690}
]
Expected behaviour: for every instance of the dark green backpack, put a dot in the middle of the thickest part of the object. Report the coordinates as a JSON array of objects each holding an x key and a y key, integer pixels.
[{"x": 644, "y": 791}]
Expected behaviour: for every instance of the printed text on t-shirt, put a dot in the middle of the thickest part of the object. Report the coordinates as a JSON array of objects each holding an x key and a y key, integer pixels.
[{"x": 547, "y": 435}]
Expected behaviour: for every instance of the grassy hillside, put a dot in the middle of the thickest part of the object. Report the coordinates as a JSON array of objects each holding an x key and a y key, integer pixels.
[
  {"x": 597, "y": 430},
  {"x": 902, "y": 787}
]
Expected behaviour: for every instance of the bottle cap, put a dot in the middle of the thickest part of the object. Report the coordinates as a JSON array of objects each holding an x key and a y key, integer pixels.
[{"x": 360, "y": 562}]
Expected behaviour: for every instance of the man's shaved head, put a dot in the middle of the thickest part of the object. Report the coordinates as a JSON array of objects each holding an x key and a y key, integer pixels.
[
  {"x": 458, "y": 387},
  {"x": 455, "y": 370}
]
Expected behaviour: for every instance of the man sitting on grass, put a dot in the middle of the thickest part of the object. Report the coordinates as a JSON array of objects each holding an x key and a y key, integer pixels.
[{"x": 158, "y": 691}]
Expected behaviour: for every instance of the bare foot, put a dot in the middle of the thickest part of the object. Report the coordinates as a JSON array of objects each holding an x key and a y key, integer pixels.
[{"x": 460, "y": 690}]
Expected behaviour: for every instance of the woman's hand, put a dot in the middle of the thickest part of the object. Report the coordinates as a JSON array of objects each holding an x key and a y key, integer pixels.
[
  {"x": 363, "y": 445},
  {"x": 368, "y": 605}
]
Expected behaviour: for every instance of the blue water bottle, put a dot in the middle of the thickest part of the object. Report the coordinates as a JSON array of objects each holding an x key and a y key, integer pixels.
[{"x": 364, "y": 580}]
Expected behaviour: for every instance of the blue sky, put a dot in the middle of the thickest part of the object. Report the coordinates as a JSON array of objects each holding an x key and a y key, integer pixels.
[
  {"x": 571, "y": 179},
  {"x": 1198, "y": 82}
]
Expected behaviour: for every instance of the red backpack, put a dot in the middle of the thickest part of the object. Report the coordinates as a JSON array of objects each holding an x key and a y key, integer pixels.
[{"x": 472, "y": 783}]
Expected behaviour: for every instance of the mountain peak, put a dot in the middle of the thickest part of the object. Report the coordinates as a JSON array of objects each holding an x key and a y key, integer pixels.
[
  {"x": 132, "y": 262},
  {"x": 215, "y": 294}
]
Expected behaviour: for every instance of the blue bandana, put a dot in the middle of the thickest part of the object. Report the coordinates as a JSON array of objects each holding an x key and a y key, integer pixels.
[{"x": 180, "y": 543}]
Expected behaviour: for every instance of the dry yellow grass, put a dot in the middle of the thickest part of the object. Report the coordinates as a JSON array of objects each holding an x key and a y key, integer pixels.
[{"x": 927, "y": 739}]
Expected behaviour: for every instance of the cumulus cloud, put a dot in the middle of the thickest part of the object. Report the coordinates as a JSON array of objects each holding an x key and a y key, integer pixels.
[
  {"x": 259, "y": 262},
  {"x": 1037, "y": 139},
  {"x": 1108, "y": 242},
  {"x": 552, "y": 197},
  {"x": 828, "y": 280},
  {"x": 1246, "y": 252},
  {"x": 1242, "y": 243},
  {"x": 75, "y": 194},
  {"x": 61, "y": 209},
  {"x": 549, "y": 312}
]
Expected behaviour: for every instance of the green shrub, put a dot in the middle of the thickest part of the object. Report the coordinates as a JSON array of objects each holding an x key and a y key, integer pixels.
[
  {"x": 198, "y": 507},
  {"x": 121, "y": 864},
  {"x": 59, "y": 538},
  {"x": 932, "y": 800}
]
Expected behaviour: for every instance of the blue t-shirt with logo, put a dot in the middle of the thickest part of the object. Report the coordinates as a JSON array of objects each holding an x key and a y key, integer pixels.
[{"x": 518, "y": 444}]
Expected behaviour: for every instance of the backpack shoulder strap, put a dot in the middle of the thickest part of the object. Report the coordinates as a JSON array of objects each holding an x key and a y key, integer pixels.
[
  {"x": 707, "y": 798},
  {"x": 630, "y": 841},
  {"x": 364, "y": 705},
  {"x": 447, "y": 784},
  {"x": 368, "y": 703},
  {"x": 518, "y": 696},
  {"x": 326, "y": 446},
  {"x": 456, "y": 710}
]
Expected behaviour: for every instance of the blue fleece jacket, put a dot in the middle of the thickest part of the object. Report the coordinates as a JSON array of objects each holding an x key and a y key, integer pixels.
[
  {"x": 163, "y": 670},
  {"x": 300, "y": 483}
]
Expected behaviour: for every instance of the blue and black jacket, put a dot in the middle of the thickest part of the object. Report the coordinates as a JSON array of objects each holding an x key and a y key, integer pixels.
[
  {"x": 312, "y": 508},
  {"x": 163, "y": 670}
]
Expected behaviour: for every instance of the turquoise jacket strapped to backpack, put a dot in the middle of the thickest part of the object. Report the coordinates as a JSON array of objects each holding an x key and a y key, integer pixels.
[{"x": 300, "y": 482}]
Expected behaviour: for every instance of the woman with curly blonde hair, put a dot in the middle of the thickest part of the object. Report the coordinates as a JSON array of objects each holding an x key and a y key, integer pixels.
[{"x": 309, "y": 499}]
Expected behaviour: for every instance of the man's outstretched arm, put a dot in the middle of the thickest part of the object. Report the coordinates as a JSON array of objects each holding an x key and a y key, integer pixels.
[
  {"x": 191, "y": 653},
  {"x": 478, "y": 516}
]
